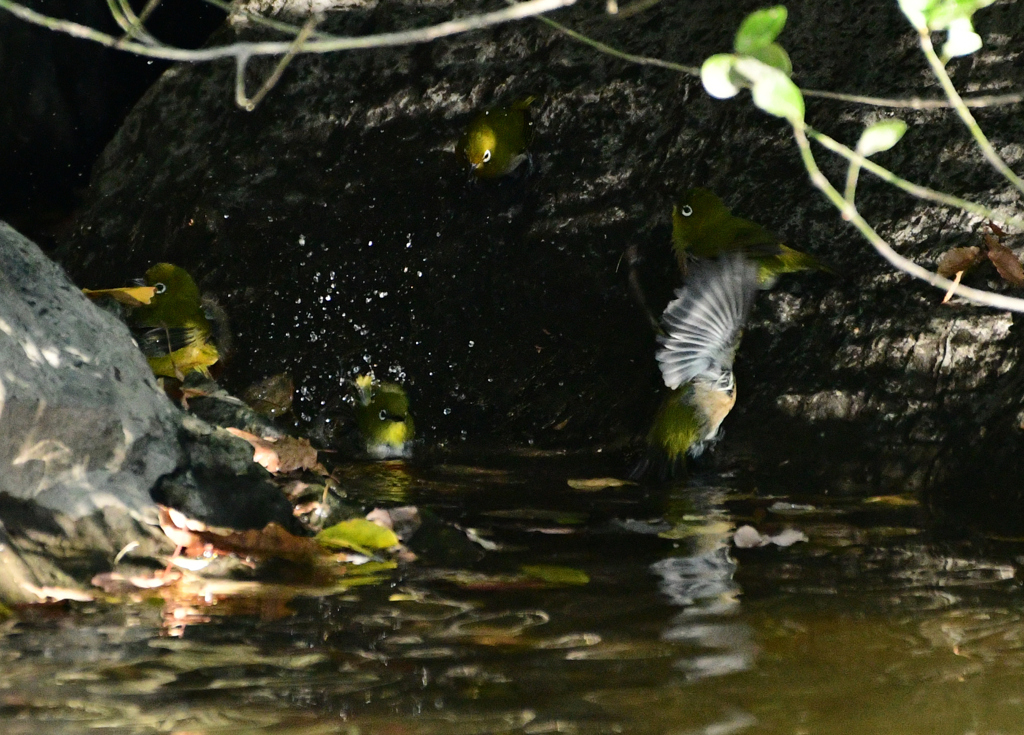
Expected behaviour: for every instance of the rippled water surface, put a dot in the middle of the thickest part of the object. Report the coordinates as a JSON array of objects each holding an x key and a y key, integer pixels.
[{"x": 624, "y": 610}]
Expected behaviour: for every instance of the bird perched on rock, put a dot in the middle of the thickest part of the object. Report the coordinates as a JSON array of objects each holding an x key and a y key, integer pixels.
[
  {"x": 173, "y": 330},
  {"x": 702, "y": 226},
  {"x": 702, "y": 332},
  {"x": 382, "y": 415},
  {"x": 495, "y": 141}
]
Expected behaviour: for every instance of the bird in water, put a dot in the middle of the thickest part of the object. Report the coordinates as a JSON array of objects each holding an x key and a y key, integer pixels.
[
  {"x": 495, "y": 141},
  {"x": 703, "y": 227},
  {"x": 702, "y": 328},
  {"x": 382, "y": 415},
  {"x": 168, "y": 317}
]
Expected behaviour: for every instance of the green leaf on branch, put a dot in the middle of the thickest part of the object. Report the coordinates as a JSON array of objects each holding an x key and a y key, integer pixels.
[
  {"x": 961, "y": 39},
  {"x": 774, "y": 55},
  {"x": 953, "y": 16},
  {"x": 881, "y": 136},
  {"x": 940, "y": 15},
  {"x": 772, "y": 90},
  {"x": 716, "y": 74},
  {"x": 759, "y": 29},
  {"x": 357, "y": 534}
]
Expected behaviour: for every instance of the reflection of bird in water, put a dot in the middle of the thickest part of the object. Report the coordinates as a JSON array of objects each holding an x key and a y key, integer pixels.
[
  {"x": 378, "y": 481},
  {"x": 700, "y": 580}
]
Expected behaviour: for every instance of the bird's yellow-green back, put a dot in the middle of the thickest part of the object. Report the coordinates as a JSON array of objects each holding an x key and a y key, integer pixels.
[
  {"x": 703, "y": 227},
  {"x": 173, "y": 330}
]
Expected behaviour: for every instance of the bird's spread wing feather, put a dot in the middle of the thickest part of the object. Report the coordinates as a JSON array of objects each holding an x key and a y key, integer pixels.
[{"x": 703, "y": 323}]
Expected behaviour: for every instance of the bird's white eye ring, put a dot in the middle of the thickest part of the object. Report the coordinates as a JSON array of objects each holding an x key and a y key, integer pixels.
[
  {"x": 487, "y": 155},
  {"x": 686, "y": 210},
  {"x": 159, "y": 288},
  {"x": 383, "y": 414}
]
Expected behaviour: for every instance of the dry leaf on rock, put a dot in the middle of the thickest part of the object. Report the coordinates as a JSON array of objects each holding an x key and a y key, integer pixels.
[
  {"x": 283, "y": 455},
  {"x": 1005, "y": 261},
  {"x": 958, "y": 260}
]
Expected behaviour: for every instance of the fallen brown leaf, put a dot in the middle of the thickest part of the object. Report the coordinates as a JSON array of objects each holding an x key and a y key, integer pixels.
[
  {"x": 1005, "y": 261},
  {"x": 283, "y": 455},
  {"x": 957, "y": 260},
  {"x": 271, "y": 541}
]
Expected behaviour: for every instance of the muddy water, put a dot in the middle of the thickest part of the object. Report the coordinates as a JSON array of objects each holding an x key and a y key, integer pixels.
[{"x": 622, "y": 610}]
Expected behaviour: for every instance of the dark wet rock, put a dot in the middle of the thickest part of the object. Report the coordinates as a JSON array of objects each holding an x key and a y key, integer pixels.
[
  {"x": 341, "y": 233},
  {"x": 218, "y": 407},
  {"x": 221, "y": 485}
]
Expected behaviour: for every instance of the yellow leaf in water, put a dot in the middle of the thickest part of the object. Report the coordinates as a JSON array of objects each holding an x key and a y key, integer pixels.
[
  {"x": 357, "y": 534},
  {"x": 130, "y": 296},
  {"x": 894, "y": 501},
  {"x": 598, "y": 483},
  {"x": 555, "y": 574}
]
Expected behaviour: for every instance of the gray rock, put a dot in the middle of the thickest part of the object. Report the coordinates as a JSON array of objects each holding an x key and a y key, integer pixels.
[{"x": 83, "y": 424}]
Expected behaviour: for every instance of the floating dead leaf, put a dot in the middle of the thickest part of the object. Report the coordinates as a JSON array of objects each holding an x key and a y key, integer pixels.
[
  {"x": 195, "y": 539},
  {"x": 131, "y": 296},
  {"x": 592, "y": 484},
  {"x": 747, "y": 537},
  {"x": 958, "y": 260},
  {"x": 115, "y": 583},
  {"x": 358, "y": 534},
  {"x": 1005, "y": 261},
  {"x": 271, "y": 396},
  {"x": 283, "y": 455},
  {"x": 893, "y": 501},
  {"x": 403, "y": 520},
  {"x": 555, "y": 575}
]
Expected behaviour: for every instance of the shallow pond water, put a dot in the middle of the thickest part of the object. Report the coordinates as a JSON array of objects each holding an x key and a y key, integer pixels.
[{"x": 622, "y": 610}]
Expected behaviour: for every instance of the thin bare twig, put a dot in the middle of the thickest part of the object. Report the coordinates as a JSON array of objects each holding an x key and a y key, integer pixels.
[
  {"x": 915, "y": 103},
  {"x": 939, "y": 69},
  {"x": 612, "y": 51},
  {"x": 849, "y": 212},
  {"x": 278, "y": 48},
  {"x": 234, "y": 8},
  {"x": 250, "y": 104},
  {"x": 921, "y": 192}
]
